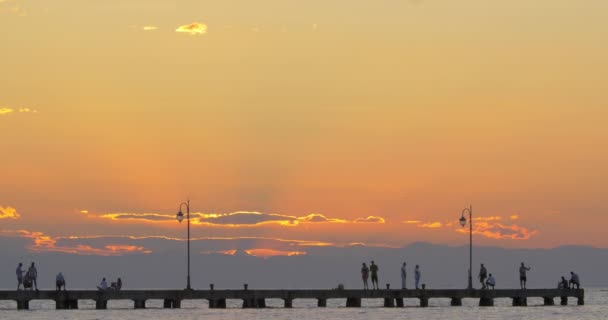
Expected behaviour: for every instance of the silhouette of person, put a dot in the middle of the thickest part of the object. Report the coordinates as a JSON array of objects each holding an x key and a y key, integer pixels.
[
  {"x": 33, "y": 275},
  {"x": 483, "y": 274},
  {"x": 417, "y": 275},
  {"x": 373, "y": 268},
  {"x": 523, "y": 278},
  {"x": 574, "y": 281},
  {"x": 365, "y": 276},
  {"x": 19, "y": 272},
  {"x": 403, "y": 276}
]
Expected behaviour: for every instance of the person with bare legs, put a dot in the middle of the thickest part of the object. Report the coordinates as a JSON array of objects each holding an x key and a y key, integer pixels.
[
  {"x": 19, "y": 275},
  {"x": 523, "y": 278},
  {"x": 374, "y": 270},
  {"x": 365, "y": 276}
]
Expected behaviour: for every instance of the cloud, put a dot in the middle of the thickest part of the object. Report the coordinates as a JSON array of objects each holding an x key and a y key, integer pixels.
[
  {"x": 149, "y": 28},
  {"x": 267, "y": 253},
  {"x": 490, "y": 227},
  {"x": 9, "y": 213},
  {"x": 431, "y": 225},
  {"x": 7, "y": 111},
  {"x": 370, "y": 219},
  {"x": 425, "y": 225},
  {"x": 237, "y": 219},
  {"x": 495, "y": 230},
  {"x": 46, "y": 243},
  {"x": 194, "y": 28}
]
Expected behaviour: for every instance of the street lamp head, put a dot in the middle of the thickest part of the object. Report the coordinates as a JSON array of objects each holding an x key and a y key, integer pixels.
[
  {"x": 463, "y": 221},
  {"x": 180, "y": 216}
]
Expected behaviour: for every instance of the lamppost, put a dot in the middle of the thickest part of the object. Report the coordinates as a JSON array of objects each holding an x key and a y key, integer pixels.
[
  {"x": 180, "y": 217},
  {"x": 463, "y": 222}
]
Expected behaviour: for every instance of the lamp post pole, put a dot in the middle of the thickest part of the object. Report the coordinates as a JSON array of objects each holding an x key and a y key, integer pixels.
[
  {"x": 180, "y": 217},
  {"x": 463, "y": 222}
]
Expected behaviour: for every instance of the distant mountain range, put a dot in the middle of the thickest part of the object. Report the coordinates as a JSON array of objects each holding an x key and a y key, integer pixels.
[{"x": 322, "y": 267}]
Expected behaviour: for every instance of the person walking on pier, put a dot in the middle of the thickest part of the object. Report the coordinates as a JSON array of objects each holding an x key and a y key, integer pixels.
[
  {"x": 365, "y": 276},
  {"x": 19, "y": 275},
  {"x": 491, "y": 282},
  {"x": 373, "y": 268},
  {"x": 403, "y": 276},
  {"x": 523, "y": 278},
  {"x": 417, "y": 275},
  {"x": 59, "y": 282},
  {"x": 33, "y": 275},
  {"x": 574, "y": 281},
  {"x": 483, "y": 274}
]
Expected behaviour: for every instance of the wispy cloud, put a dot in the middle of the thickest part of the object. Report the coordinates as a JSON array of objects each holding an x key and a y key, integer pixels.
[
  {"x": 194, "y": 28},
  {"x": 494, "y": 227},
  {"x": 238, "y": 219},
  {"x": 370, "y": 219},
  {"x": 7, "y": 111},
  {"x": 46, "y": 243},
  {"x": 9, "y": 213}
]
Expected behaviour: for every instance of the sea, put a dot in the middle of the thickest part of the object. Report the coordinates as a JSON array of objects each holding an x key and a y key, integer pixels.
[{"x": 596, "y": 307}]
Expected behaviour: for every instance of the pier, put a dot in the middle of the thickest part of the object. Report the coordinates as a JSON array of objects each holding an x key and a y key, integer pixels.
[{"x": 257, "y": 298}]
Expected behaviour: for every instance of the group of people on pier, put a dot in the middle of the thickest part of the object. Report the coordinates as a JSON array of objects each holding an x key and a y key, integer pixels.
[
  {"x": 487, "y": 280},
  {"x": 29, "y": 280},
  {"x": 373, "y": 269}
]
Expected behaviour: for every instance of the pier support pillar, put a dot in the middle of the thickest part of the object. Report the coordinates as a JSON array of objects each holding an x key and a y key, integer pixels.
[
  {"x": 520, "y": 302},
  {"x": 399, "y": 302},
  {"x": 217, "y": 304},
  {"x": 456, "y": 302},
  {"x": 60, "y": 304},
  {"x": 172, "y": 304},
  {"x": 288, "y": 303},
  {"x": 101, "y": 304},
  {"x": 140, "y": 304},
  {"x": 424, "y": 302},
  {"x": 23, "y": 304},
  {"x": 564, "y": 301},
  {"x": 254, "y": 303},
  {"x": 581, "y": 301},
  {"x": 321, "y": 303},
  {"x": 72, "y": 304},
  {"x": 353, "y": 302},
  {"x": 486, "y": 302},
  {"x": 389, "y": 302},
  {"x": 549, "y": 301}
]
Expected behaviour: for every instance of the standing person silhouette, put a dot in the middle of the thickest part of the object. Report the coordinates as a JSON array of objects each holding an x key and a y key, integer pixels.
[
  {"x": 403, "y": 276},
  {"x": 373, "y": 268},
  {"x": 365, "y": 276},
  {"x": 523, "y": 277},
  {"x": 19, "y": 275},
  {"x": 33, "y": 274},
  {"x": 417, "y": 275},
  {"x": 483, "y": 274}
]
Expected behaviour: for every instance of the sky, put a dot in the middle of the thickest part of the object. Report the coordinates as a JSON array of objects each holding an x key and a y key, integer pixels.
[{"x": 294, "y": 124}]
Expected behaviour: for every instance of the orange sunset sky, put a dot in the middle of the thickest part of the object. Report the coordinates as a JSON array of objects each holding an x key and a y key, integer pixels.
[{"x": 330, "y": 122}]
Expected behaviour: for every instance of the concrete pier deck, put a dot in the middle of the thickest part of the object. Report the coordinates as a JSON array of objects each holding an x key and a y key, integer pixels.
[{"x": 257, "y": 298}]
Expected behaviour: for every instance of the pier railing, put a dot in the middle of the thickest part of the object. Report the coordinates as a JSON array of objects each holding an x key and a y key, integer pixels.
[{"x": 257, "y": 298}]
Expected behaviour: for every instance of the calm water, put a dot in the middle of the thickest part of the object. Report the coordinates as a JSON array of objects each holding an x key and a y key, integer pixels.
[{"x": 596, "y": 308}]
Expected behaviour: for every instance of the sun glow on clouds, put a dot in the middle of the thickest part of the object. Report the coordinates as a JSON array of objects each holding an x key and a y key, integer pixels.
[
  {"x": 45, "y": 243},
  {"x": 9, "y": 213},
  {"x": 6, "y": 111},
  {"x": 490, "y": 227},
  {"x": 238, "y": 219},
  {"x": 149, "y": 28},
  {"x": 268, "y": 253},
  {"x": 194, "y": 28}
]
